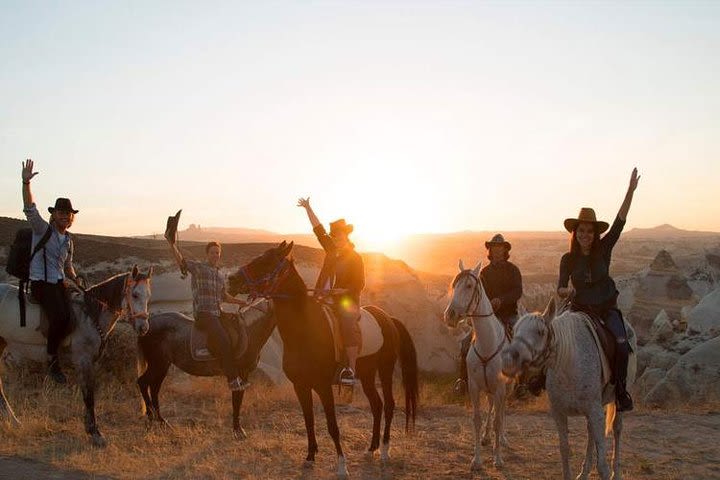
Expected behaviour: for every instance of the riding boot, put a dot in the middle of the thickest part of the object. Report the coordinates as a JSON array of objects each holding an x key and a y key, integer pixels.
[
  {"x": 460, "y": 386},
  {"x": 54, "y": 371},
  {"x": 622, "y": 397}
]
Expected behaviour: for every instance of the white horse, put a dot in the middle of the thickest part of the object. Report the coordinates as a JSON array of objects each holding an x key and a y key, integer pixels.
[
  {"x": 96, "y": 312},
  {"x": 575, "y": 381},
  {"x": 484, "y": 363}
]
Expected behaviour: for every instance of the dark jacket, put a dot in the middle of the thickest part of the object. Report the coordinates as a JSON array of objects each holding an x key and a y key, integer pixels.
[
  {"x": 340, "y": 269},
  {"x": 590, "y": 274},
  {"x": 503, "y": 280}
]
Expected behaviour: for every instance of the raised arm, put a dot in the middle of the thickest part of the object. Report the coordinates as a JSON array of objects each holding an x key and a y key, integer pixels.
[
  {"x": 305, "y": 203},
  {"x": 625, "y": 207},
  {"x": 27, "y": 175}
]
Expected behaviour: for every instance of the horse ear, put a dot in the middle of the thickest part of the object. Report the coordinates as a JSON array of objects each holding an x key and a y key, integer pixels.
[
  {"x": 460, "y": 265},
  {"x": 478, "y": 268},
  {"x": 549, "y": 312},
  {"x": 290, "y": 247},
  {"x": 135, "y": 272},
  {"x": 282, "y": 245}
]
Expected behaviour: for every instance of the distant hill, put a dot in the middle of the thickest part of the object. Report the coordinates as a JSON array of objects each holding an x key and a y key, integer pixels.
[
  {"x": 668, "y": 231},
  {"x": 196, "y": 233}
]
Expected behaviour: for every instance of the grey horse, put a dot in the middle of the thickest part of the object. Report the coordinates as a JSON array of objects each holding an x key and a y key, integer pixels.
[
  {"x": 575, "y": 382},
  {"x": 97, "y": 310}
]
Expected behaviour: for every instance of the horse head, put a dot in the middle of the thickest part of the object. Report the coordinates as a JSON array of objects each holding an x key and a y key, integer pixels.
[
  {"x": 530, "y": 343},
  {"x": 264, "y": 274},
  {"x": 136, "y": 297},
  {"x": 466, "y": 291}
]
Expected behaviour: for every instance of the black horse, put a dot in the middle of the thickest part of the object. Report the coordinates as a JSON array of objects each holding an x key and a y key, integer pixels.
[
  {"x": 309, "y": 352},
  {"x": 168, "y": 342}
]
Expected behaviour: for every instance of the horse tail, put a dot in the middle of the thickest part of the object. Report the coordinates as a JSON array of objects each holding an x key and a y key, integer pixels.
[
  {"x": 409, "y": 366},
  {"x": 610, "y": 412}
]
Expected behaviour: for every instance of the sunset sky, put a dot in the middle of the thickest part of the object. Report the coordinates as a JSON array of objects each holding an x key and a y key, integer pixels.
[{"x": 400, "y": 116}]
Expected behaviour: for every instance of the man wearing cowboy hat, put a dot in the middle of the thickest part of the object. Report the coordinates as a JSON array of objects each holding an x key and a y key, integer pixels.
[
  {"x": 51, "y": 266},
  {"x": 503, "y": 285},
  {"x": 343, "y": 277}
]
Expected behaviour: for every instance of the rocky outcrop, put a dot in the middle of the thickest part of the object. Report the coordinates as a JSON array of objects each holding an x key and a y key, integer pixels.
[
  {"x": 663, "y": 287},
  {"x": 705, "y": 317},
  {"x": 694, "y": 379}
]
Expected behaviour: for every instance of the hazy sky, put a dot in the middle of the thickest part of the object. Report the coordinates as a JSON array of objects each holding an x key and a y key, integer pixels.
[{"x": 401, "y": 116}]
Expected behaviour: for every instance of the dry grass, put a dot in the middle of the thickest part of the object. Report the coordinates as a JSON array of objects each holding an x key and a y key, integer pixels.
[{"x": 659, "y": 445}]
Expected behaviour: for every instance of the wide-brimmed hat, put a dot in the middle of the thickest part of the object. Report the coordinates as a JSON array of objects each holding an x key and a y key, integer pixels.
[
  {"x": 586, "y": 215},
  {"x": 497, "y": 240},
  {"x": 340, "y": 226},
  {"x": 63, "y": 204}
]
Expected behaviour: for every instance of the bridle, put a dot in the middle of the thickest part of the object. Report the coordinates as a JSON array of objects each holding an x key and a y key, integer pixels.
[
  {"x": 266, "y": 286},
  {"x": 539, "y": 358},
  {"x": 472, "y": 306},
  {"x": 131, "y": 314},
  {"x": 476, "y": 297}
]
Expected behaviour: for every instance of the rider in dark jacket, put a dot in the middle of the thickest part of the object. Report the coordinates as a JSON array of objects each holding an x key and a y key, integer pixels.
[{"x": 342, "y": 277}]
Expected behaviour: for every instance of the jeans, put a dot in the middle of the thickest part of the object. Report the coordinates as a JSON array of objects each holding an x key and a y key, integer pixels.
[
  {"x": 218, "y": 342},
  {"x": 55, "y": 304}
]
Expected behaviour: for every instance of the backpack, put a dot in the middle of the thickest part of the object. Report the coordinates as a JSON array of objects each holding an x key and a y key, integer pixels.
[
  {"x": 19, "y": 258},
  {"x": 21, "y": 252}
]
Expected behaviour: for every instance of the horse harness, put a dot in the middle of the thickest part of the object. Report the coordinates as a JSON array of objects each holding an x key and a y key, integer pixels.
[{"x": 472, "y": 306}]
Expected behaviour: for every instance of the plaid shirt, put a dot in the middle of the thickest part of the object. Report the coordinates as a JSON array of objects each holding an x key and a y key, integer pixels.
[{"x": 208, "y": 287}]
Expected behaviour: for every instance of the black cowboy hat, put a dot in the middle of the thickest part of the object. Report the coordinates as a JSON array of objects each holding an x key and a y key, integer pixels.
[
  {"x": 63, "y": 204},
  {"x": 339, "y": 226},
  {"x": 171, "y": 227},
  {"x": 498, "y": 240},
  {"x": 586, "y": 215}
]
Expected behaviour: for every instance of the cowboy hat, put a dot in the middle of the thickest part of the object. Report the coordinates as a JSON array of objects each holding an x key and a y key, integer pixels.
[
  {"x": 339, "y": 226},
  {"x": 63, "y": 204},
  {"x": 498, "y": 240},
  {"x": 586, "y": 215}
]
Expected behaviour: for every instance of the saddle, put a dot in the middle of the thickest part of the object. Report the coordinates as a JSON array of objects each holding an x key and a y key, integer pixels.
[
  {"x": 371, "y": 336},
  {"x": 235, "y": 329}
]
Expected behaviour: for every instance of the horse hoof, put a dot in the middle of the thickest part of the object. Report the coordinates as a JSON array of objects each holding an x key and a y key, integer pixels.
[
  {"x": 309, "y": 464},
  {"x": 239, "y": 433},
  {"x": 99, "y": 441}
]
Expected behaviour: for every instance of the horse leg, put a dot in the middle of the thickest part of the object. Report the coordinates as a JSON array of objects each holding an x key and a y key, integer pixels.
[
  {"x": 596, "y": 425},
  {"x": 499, "y": 407},
  {"x": 6, "y": 411},
  {"x": 367, "y": 378},
  {"x": 488, "y": 421},
  {"x": 304, "y": 395},
  {"x": 156, "y": 381},
  {"x": 328, "y": 403},
  {"x": 238, "y": 430},
  {"x": 477, "y": 424},
  {"x": 588, "y": 463},
  {"x": 617, "y": 431},
  {"x": 143, "y": 383},
  {"x": 386, "y": 373},
  {"x": 561, "y": 422},
  {"x": 86, "y": 374}
]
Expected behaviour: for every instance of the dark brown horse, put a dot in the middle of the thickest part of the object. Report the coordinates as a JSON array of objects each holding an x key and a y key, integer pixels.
[{"x": 309, "y": 352}]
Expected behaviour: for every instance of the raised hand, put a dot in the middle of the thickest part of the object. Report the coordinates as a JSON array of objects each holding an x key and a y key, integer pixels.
[
  {"x": 634, "y": 178},
  {"x": 304, "y": 202},
  {"x": 27, "y": 170}
]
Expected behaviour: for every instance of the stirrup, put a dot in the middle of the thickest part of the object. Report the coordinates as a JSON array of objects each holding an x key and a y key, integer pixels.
[
  {"x": 238, "y": 385},
  {"x": 347, "y": 376},
  {"x": 624, "y": 402},
  {"x": 460, "y": 387}
]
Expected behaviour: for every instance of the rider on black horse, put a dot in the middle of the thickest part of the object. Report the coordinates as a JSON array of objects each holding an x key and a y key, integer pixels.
[{"x": 342, "y": 277}]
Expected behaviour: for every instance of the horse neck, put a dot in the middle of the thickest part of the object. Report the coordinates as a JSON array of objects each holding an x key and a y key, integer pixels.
[
  {"x": 260, "y": 329},
  {"x": 566, "y": 339},
  {"x": 488, "y": 331}
]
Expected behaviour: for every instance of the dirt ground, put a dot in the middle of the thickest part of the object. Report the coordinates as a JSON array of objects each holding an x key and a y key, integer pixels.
[{"x": 680, "y": 444}]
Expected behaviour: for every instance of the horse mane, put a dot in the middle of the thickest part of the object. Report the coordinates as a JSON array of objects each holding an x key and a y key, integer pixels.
[
  {"x": 107, "y": 294},
  {"x": 566, "y": 328}
]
